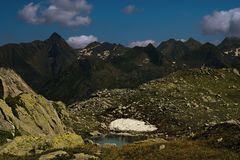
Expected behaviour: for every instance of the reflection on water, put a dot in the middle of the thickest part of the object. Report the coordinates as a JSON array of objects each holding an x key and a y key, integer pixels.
[{"x": 118, "y": 139}]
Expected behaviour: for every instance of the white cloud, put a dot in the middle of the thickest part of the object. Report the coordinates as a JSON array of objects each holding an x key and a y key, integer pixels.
[
  {"x": 70, "y": 13},
  {"x": 29, "y": 13},
  {"x": 142, "y": 43},
  {"x": 223, "y": 22},
  {"x": 81, "y": 41},
  {"x": 130, "y": 9},
  {"x": 69, "y": 5}
]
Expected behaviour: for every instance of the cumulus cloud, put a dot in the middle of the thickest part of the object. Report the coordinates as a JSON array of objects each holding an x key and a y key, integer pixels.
[
  {"x": 70, "y": 13},
  {"x": 81, "y": 41},
  {"x": 130, "y": 9},
  {"x": 142, "y": 43},
  {"x": 29, "y": 13},
  {"x": 222, "y": 22}
]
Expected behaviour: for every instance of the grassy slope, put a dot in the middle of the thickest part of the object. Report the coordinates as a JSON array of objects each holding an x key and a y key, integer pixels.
[
  {"x": 181, "y": 103},
  {"x": 150, "y": 150}
]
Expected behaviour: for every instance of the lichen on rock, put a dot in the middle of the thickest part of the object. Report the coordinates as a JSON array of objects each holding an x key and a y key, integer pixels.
[{"x": 30, "y": 145}]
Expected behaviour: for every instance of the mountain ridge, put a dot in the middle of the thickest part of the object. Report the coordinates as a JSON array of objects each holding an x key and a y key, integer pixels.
[{"x": 52, "y": 68}]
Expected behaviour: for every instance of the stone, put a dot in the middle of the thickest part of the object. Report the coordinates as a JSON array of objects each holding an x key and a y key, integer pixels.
[
  {"x": 103, "y": 125},
  {"x": 11, "y": 84},
  {"x": 88, "y": 141},
  {"x": 83, "y": 156},
  {"x": 95, "y": 133},
  {"x": 32, "y": 115},
  {"x": 220, "y": 139},
  {"x": 236, "y": 72},
  {"x": 208, "y": 99},
  {"x": 30, "y": 145},
  {"x": 162, "y": 147},
  {"x": 55, "y": 155}
]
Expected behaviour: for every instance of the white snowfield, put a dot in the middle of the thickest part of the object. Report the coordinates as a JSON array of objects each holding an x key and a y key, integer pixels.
[{"x": 131, "y": 125}]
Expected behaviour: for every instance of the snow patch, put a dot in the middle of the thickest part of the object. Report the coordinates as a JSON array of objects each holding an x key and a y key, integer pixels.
[{"x": 131, "y": 125}]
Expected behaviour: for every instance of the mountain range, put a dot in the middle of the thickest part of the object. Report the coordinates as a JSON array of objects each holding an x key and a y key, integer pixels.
[
  {"x": 59, "y": 72},
  {"x": 187, "y": 92}
]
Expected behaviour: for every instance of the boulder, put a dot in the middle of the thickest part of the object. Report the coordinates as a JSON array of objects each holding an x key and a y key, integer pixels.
[
  {"x": 30, "y": 145},
  {"x": 55, "y": 155},
  {"x": 235, "y": 71},
  {"x": 82, "y": 156},
  {"x": 11, "y": 84},
  {"x": 33, "y": 115},
  {"x": 7, "y": 128}
]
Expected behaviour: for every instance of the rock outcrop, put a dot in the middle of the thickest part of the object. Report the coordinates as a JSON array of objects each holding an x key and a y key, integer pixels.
[
  {"x": 29, "y": 145},
  {"x": 23, "y": 112},
  {"x": 33, "y": 115},
  {"x": 28, "y": 114},
  {"x": 11, "y": 84}
]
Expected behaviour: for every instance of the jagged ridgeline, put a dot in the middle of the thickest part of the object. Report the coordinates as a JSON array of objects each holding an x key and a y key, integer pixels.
[{"x": 59, "y": 72}]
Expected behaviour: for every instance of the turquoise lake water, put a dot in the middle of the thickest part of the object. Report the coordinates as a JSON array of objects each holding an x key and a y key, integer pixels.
[{"x": 118, "y": 140}]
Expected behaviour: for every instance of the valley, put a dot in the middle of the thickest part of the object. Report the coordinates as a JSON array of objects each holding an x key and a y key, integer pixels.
[{"x": 178, "y": 100}]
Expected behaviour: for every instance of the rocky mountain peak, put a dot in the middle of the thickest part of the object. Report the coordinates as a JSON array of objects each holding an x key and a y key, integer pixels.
[
  {"x": 55, "y": 36},
  {"x": 192, "y": 44},
  {"x": 150, "y": 46},
  {"x": 229, "y": 43},
  {"x": 93, "y": 44},
  {"x": 56, "y": 39}
]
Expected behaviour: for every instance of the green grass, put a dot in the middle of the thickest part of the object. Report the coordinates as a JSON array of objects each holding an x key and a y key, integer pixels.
[{"x": 150, "y": 150}]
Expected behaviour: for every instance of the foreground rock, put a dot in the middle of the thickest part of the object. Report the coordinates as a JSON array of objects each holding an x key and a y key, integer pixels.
[
  {"x": 131, "y": 125},
  {"x": 29, "y": 145},
  {"x": 82, "y": 156},
  {"x": 11, "y": 84},
  {"x": 55, "y": 155},
  {"x": 31, "y": 115},
  {"x": 23, "y": 112}
]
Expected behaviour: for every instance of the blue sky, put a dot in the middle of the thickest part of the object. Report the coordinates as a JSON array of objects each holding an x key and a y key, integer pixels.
[{"x": 156, "y": 20}]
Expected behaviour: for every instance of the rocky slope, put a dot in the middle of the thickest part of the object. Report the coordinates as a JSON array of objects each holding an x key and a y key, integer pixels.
[
  {"x": 11, "y": 84},
  {"x": 30, "y": 124},
  {"x": 180, "y": 104},
  {"x": 23, "y": 112}
]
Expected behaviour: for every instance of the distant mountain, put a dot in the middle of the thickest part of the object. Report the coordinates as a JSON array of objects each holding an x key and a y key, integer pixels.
[
  {"x": 192, "y": 44},
  {"x": 59, "y": 72},
  {"x": 229, "y": 43},
  {"x": 173, "y": 49},
  {"x": 106, "y": 65},
  {"x": 102, "y": 50},
  {"x": 207, "y": 55},
  {"x": 39, "y": 61}
]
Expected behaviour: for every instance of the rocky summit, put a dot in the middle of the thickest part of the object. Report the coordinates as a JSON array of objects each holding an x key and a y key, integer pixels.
[{"x": 179, "y": 100}]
